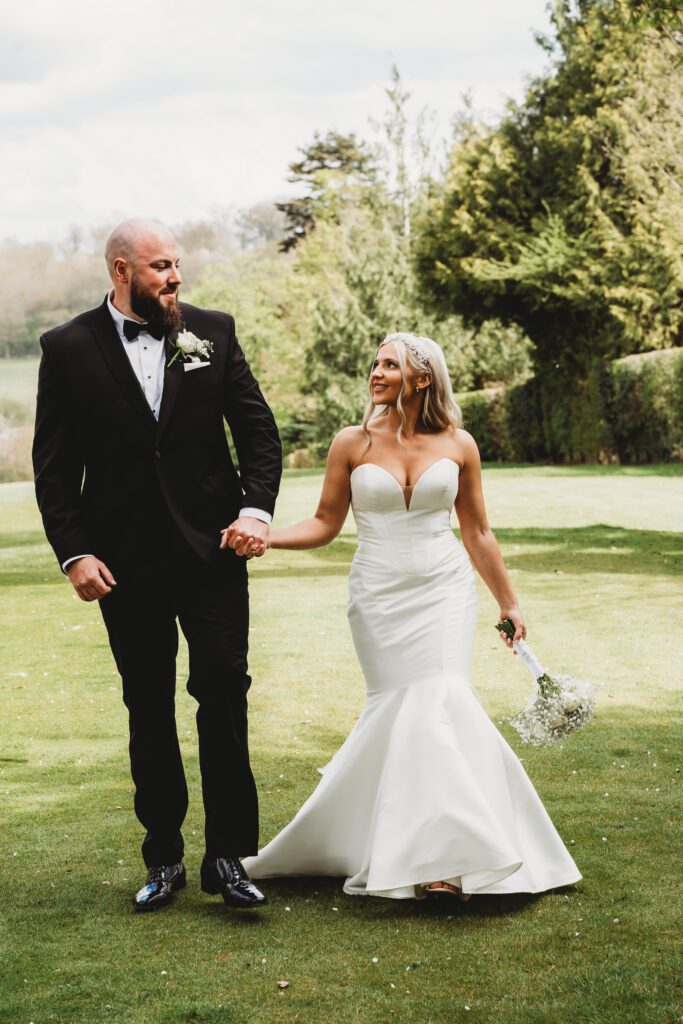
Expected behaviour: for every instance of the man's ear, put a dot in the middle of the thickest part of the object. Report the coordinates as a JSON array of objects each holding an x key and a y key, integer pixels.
[{"x": 121, "y": 272}]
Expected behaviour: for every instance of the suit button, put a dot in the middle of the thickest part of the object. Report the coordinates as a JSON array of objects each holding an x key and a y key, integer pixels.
[{"x": 158, "y": 454}]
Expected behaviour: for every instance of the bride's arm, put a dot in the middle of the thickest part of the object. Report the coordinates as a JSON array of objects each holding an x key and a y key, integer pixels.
[
  {"x": 478, "y": 538},
  {"x": 333, "y": 506}
]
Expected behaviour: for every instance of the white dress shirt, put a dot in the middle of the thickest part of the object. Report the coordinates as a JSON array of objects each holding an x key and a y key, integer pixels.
[{"x": 147, "y": 356}]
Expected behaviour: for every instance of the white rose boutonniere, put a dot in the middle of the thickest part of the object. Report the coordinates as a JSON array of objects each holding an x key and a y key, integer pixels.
[{"x": 189, "y": 346}]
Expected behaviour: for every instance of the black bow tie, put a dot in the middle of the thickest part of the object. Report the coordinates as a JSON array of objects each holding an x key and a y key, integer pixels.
[{"x": 131, "y": 329}]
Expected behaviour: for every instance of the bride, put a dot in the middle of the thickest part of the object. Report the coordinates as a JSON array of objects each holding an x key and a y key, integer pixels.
[{"x": 424, "y": 796}]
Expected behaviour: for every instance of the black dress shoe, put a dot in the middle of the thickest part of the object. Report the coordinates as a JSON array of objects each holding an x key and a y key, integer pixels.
[
  {"x": 162, "y": 882},
  {"x": 226, "y": 875}
]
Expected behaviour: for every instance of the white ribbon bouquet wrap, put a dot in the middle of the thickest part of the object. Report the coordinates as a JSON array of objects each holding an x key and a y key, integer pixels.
[{"x": 558, "y": 706}]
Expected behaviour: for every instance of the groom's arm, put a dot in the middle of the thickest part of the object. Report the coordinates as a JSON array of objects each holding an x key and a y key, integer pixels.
[
  {"x": 58, "y": 464},
  {"x": 253, "y": 429}
]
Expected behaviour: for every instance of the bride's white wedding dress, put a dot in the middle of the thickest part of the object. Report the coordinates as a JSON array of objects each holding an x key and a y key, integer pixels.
[{"x": 425, "y": 788}]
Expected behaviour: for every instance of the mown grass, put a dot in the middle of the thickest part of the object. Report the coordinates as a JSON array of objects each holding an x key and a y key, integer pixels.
[{"x": 599, "y": 571}]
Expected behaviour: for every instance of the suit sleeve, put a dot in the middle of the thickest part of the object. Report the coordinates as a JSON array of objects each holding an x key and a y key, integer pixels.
[
  {"x": 253, "y": 430},
  {"x": 58, "y": 464}
]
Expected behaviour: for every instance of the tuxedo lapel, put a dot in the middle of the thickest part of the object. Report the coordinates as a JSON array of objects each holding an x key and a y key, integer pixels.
[
  {"x": 111, "y": 347},
  {"x": 173, "y": 376}
]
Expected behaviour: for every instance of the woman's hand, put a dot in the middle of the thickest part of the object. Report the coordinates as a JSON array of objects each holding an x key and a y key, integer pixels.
[
  {"x": 515, "y": 616},
  {"x": 246, "y": 536}
]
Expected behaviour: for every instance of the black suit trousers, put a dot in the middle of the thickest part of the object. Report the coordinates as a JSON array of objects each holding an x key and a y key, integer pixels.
[{"x": 210, "y": 602}]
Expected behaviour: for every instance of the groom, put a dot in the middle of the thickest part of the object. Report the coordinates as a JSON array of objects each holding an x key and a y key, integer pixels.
[{"x": 137, "y": 490}]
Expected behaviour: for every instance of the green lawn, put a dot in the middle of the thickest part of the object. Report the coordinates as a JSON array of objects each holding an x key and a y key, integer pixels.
[{"x": 597, "y": 561}]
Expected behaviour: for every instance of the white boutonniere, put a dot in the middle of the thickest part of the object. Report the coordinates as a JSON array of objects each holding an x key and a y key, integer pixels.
[{"x": 188, "y": 346}]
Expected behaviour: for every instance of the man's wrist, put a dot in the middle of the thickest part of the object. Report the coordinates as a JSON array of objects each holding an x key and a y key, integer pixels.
[
  {"x": 75, "y": 558},
  {"x": 256, "y": 513}
]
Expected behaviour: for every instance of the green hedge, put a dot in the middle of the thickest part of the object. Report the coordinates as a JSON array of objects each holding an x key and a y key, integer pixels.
[{"x": 628, "y": 411}]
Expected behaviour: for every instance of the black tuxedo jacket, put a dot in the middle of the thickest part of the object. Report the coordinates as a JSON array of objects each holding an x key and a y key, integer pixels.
[{"x": 104, "y": 467}]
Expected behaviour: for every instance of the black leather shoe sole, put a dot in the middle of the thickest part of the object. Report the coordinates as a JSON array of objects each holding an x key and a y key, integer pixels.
[{"x": 162, "y": 901}]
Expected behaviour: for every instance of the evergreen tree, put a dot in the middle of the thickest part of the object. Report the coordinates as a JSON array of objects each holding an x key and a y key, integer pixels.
[
  {"x": 566, "y": 218},
  {"x": 328, "y": 166}
]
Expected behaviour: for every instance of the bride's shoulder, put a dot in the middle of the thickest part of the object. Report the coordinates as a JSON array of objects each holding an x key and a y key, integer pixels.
[
  {"x": 348, "y": 436},
  {"x": 467, "y": 446},
  {"x": 347, "y": 440},
  {"x": 349, "y": 433},
  {"x": 463, "y": 436}
]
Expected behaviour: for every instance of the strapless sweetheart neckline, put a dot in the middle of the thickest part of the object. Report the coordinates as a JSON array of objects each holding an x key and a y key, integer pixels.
[{"x": 413, "y": 487}]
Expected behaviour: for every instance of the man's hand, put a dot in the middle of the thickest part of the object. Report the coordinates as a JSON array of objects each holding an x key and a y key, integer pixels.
[
  {"x": 91, "y": 578},
  {"x": 246, "y": 536}
]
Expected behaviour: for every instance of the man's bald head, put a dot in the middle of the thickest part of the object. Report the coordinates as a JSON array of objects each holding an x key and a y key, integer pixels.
[
  {"x": 131, "y": 236},
  {"x": 144, "y": 266}
]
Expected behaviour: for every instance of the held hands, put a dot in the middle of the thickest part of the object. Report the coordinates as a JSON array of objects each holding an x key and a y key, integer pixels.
[
  {"x": 246, "y": 536},
  {"x": 517, "y": 619},
  {"x": 91, "y": 579}
]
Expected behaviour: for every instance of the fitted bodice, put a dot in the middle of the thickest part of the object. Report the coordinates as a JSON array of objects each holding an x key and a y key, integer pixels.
[{"x": 411, "y": 537}]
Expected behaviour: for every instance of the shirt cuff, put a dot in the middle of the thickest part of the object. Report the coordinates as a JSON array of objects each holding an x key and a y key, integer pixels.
[
  {"x": 257, "y": 513},
  {"x": 74, "y": 559}
]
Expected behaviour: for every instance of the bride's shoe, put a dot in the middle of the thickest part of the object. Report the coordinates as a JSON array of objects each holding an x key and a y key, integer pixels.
[{"x": 438, "y": 888}]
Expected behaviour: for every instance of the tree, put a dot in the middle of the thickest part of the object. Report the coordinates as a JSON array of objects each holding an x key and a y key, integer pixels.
[
  {"x": 566, "y": 218},
  {"x": 355, "y": 278},
  {"x": 259, "y": 224},
  {"x": 405, "y": 152},
  {"x": 328, "y": 168},
  {"x": 254, "y": 288},
  {"x": 659, "y": 13}
]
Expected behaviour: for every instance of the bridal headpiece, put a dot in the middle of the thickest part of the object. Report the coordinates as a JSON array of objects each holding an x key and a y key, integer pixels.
[{"x": 418, "y": 346}]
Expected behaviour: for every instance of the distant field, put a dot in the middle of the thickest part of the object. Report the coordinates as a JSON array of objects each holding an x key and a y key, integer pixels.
[{"x": 18, "y": 380}]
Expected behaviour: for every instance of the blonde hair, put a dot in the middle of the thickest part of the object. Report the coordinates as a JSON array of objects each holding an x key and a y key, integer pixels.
[{"x": 439, "y": 409}]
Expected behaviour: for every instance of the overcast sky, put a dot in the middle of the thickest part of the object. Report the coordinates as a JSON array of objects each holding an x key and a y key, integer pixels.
[{"x": 177, "y": 110}]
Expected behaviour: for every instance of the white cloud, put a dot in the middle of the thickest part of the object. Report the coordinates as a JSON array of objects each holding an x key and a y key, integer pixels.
[{"x": 177, "y": 110}]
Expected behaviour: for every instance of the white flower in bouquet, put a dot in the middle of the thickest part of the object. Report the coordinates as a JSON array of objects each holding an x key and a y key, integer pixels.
[
  {"x": 189, "y": 346},
  {"x": 559, "y": 704}
]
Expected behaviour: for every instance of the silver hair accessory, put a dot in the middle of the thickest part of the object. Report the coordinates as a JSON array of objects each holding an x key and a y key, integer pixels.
[{"x": 417, "y": 347}]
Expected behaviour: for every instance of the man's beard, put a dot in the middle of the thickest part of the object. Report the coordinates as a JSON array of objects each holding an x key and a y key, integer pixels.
[{"x": 162, "y": 319}]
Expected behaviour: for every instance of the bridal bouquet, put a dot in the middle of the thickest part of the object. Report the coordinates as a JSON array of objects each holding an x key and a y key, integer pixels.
[{"x": 559, "y": 704}]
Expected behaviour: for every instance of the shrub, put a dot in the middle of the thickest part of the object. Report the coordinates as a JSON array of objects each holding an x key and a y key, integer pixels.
[{"x": 629, "y": 410}]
